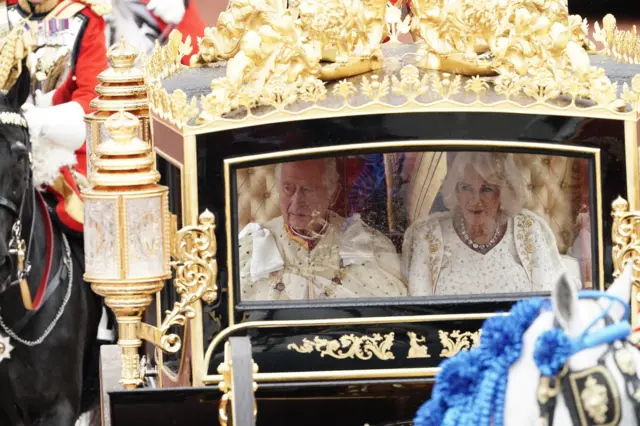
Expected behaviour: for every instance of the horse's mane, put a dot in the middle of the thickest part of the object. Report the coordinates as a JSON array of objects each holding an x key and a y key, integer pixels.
[{"x": 470, "y": 387}]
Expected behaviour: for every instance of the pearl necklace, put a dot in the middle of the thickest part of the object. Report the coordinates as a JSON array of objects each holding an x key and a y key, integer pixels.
[{"x": 467, "y": 239}]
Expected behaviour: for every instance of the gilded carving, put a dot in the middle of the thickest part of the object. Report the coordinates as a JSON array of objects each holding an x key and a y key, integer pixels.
[
  {"x": 196, "y": 274},
  {"x": 274, "y": 50},
  {"x": 626, "y": 243},
  {"x": 595, "y": 400},
  {"x": 624, "y": 360},
  {"x": 623, "y": 46},
  {"x": 349, "y": 346},
  {"x": 454, "y": 342},
  {"x": 418, "y": 347}
]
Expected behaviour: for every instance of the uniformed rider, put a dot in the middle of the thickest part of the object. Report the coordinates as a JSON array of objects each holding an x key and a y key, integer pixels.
[{"x": 69, "y": 51}]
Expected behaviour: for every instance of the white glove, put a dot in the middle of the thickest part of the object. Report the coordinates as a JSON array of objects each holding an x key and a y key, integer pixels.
[
  {"x": 34, "y": 119},
  {"x": 44, "y": 100},
  {"x": 62, "y": 125},
  {"x": 170, "y": 11}
]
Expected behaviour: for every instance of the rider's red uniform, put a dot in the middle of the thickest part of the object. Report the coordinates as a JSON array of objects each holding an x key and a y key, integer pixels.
[
  {"x": 190, "y": 25},
  {"x": 84, "y": 30},
  {"x": 150, "y": 26}
]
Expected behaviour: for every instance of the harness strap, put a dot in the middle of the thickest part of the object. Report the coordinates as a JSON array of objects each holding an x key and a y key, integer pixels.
[
  {"x": 547, "y": 395},
  {"x": 626, "y": 364},
  {"x": 25, "y": 291},
  {"x": 60, "y": 276}
]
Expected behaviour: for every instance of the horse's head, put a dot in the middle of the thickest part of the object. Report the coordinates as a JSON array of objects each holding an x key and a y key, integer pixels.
[
  {"x": 564, "y": 361},
  {"x": 588, "y": 379},
  {"x": 14, "y": 170}
]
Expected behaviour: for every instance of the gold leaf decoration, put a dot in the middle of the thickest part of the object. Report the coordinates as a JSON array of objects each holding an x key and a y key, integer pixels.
[
  {"x": 623, "y": 46},
  {"x": 196, "y": 274},
  {"x": 476, "y": 85},
  {"x": 375, "y": 89},
  {"x": 595, "y": 400},
  {"x": 349, "y": 346},
  {"x": 344, "y": 89},
  {"x": 454, "y": 342}
]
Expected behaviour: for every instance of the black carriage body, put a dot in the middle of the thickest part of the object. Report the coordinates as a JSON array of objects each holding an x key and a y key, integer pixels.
[
  {"x": 379, "y": 388},
  {"x": 358, "y": 360}
]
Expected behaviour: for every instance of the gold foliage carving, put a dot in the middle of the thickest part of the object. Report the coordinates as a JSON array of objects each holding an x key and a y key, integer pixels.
[
  {"x": 274, "y": 71},
  {"x": 626, "y": 242},
  {"x": 165, "y": 62},
  {"x": 454, "y": 342},
  {"x": 196, "y": 273},
  {"x": 349, "y": 346},
  {"x": 623, "y": 46}
]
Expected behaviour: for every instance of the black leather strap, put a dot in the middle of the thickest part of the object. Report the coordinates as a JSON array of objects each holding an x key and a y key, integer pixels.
[
  {"x": 626, "y": 364},
  {"x": 10, "y": 205}
]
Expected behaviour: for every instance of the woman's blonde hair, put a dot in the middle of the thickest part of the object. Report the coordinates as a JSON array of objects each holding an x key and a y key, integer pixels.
[{"x": 496, "y": 168}]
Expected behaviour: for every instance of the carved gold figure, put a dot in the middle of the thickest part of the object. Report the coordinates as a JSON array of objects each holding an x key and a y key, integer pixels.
[
  {"x": 342, "y": 29},
  {"x": 503, "y": 37}
]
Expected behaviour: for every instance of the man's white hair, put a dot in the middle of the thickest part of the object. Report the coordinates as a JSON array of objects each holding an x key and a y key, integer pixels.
[
  {"x": 331, "y": 177},
  {"x": 497, "y": 169}
]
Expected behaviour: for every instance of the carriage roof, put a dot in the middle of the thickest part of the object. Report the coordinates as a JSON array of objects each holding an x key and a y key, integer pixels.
[{"x": 182, "y": 97}]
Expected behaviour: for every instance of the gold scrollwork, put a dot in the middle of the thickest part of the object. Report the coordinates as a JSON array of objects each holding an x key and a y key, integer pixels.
[
  {"x": 349, "y": 346},
  {"x": 626, "y": 243},
  {"x": 418, "y": 347},
  {"x": 454, "y": 342},
  {"x": 196, "y": 268}
]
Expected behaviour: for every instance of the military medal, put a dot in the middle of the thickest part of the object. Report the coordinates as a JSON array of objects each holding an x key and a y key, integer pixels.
[{"x": 5, "y": 348}]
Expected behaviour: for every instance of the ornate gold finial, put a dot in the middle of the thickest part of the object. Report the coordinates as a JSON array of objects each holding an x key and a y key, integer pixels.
[
  {"x": 122, "y": 126},
  {"x": 122, "y": 55},
  {"x": 124, "y": 152}
]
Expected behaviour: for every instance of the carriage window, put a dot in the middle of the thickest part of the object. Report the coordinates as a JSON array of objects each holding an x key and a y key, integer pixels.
[{"x": 413, "y": 224}]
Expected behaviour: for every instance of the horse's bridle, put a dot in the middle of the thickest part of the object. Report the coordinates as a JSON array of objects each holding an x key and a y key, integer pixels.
[
  {"x": 569, "y": 382},
  {"x": 17, "y": 245}
]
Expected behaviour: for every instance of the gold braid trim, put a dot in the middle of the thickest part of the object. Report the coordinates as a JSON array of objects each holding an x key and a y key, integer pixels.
[{"x": 13, "y": 49}]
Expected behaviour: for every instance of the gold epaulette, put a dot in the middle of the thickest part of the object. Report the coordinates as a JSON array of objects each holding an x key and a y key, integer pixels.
[{"x": 99, "y": 7}]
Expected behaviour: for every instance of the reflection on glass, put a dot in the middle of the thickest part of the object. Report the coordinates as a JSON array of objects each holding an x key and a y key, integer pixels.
[
  {"x": 486, "y": 242},
  {"x": 416, "y": 223},
  {"x": 309, "y": 251}
]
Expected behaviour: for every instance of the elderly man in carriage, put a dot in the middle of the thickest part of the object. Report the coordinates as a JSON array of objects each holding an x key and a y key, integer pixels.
[{"x": 311, "y": 252}]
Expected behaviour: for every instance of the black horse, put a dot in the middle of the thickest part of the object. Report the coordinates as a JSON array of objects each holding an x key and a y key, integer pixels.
[{"x": 51, "y": 375}]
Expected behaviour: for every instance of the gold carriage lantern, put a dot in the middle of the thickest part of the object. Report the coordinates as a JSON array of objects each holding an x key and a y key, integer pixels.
[{"x": 127, "y": 243}]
